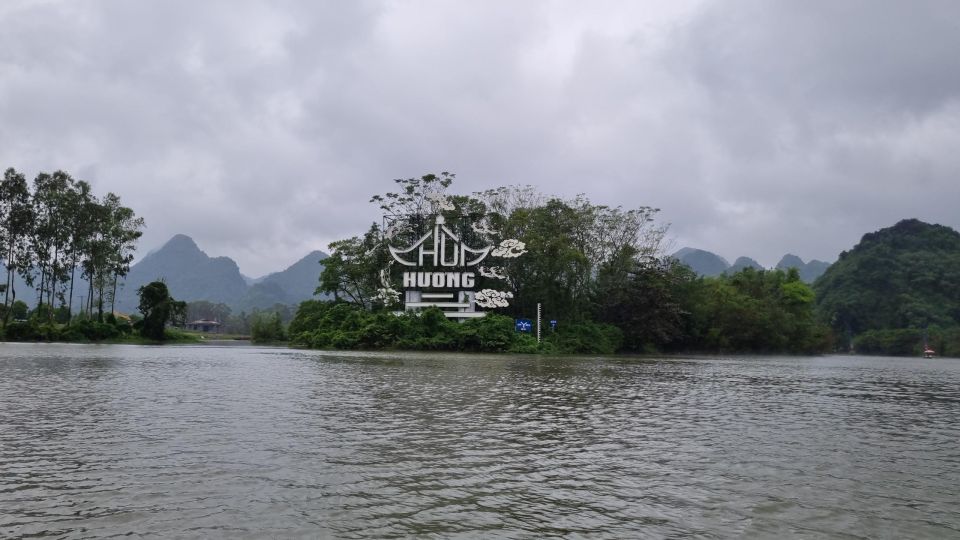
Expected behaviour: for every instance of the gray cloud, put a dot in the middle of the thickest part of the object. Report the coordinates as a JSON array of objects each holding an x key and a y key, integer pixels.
[{"x": 262, "y": 128}]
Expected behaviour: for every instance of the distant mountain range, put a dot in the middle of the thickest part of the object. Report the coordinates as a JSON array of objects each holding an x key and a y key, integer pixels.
[
  {"x": 710, "y": 264},
  {"x": 192, "y": 275}
]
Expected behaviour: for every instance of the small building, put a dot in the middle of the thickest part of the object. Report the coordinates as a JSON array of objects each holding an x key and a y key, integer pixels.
[{"x": 204, "y": 326}]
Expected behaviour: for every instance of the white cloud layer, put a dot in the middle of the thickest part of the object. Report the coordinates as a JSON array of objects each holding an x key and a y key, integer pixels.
[{"x": 262, "y": 128}]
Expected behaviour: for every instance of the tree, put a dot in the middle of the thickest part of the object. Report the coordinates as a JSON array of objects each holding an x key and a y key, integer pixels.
[
  {"x": 644, "y": 300},
  {"x": 267, "y": 328},
  {"x": 753, "y": 311},
  {"x": 352, "y": 272},
  {"x": 158, "y": 308},
  {"x": 19, "y": 310},
  {"x": 16, "y": 227}
]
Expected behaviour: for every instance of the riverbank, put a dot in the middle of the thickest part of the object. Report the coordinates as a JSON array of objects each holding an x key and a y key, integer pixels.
[{"x": 88, "y": 332}]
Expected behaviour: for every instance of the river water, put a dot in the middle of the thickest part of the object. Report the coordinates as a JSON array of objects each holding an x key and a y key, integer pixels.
[{"x": 247, "y": 442}]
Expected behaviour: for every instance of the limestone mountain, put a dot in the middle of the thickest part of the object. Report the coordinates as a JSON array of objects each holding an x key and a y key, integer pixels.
[
  {"x": 192, "y": 275},
  {"x": 743, "y": 262},
  {"x": 189, "y": 273},
  {"x": 702, "y": 262},
  {"x": 300, "y": 279},
  {"x": 708, "y": 264},
  {"x": 809, "y": 272},
  {"x": 291, "y": 286}
]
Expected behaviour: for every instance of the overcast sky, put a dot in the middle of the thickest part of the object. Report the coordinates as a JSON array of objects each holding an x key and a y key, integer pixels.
[{"x": 262, "y": 128}]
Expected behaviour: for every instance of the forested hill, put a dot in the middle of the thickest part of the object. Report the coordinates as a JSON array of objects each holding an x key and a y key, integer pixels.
[
  {"x": 192, "y": 275},
  {"x": 905, "y": 276}
]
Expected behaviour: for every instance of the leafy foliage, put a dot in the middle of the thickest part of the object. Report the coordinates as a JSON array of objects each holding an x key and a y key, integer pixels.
[
  {"x": 267, "y": 328},
  {"x": 158, "y": 308},
  {"x": 599, "y": 270},
  {"x": 339, "y": 325},
  {"x": 59, "y": 227},
  {"x": 352, "y": 272},
  {"x": 905, "y": 276},
  {"x": 755, "y": 311}
]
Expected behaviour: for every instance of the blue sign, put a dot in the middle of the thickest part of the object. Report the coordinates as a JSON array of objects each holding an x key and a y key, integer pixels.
[
  {"x": 524, "y": 325},
  {"x": 553, "y": 324}
]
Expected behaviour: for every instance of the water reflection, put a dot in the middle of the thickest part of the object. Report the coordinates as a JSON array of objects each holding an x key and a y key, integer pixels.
[{"x": 249, "y": 442}]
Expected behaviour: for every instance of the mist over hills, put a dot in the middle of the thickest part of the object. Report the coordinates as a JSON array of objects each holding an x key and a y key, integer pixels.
[
  {"x": 708, "y": 264},
  {"x": 744, "y": 262},
  {"x": 702, "y": 262},
  {"x": 192, "y": 275},
  {"x": 809, "y": 272}
]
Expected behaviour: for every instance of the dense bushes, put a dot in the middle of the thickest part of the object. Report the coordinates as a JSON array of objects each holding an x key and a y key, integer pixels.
[
  {"x": 324, "y": 325},
  {"x": 908, "y": 341},
  {"x": 767, "y": 311},
  {"x": 895, "y": 342},
  {"x": 267, "y": 328},
  {"x": 750, "y": 311},
  {"x": 79, "y": 330},
  {"x": 586, "y": 338},
  {"x": 331, "y": 325}
]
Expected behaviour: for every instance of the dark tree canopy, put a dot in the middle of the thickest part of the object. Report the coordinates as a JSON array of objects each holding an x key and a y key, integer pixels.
[
  {"x": 905, "y": 276},
  {"x": 158, "y": 308}
]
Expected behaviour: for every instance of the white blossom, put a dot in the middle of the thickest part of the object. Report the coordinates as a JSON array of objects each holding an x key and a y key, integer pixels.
[
  {"x": 483, "y": 228},
  {"x": 440, "y": 201},
  {"x": 387, "y": 296}
]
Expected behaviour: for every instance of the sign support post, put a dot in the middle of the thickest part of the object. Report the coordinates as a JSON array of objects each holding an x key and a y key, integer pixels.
[{"x": 538, "y": 322}]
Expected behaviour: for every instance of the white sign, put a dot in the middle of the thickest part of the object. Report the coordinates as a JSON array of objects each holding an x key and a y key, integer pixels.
[{"x": 442, "y": 271}]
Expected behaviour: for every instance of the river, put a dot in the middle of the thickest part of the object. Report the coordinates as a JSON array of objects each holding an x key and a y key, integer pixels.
[{"x": 249, "y": 442}]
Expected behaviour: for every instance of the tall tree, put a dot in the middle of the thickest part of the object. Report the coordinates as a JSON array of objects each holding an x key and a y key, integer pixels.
[{"x": 16, "y": 213}]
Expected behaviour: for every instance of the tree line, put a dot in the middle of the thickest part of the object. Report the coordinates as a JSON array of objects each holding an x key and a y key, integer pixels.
[
  {"x": 55, "y": 230},
  {"x": 599, "y": 271}
]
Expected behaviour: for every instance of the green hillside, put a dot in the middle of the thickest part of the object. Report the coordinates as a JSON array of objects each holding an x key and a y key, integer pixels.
[{"x": 905, "y": 276}]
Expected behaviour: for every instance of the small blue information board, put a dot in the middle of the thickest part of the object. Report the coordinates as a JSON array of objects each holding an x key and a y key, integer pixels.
[
  {"x": 553, "y": 324},
  {"x": 524, "y": 325}
]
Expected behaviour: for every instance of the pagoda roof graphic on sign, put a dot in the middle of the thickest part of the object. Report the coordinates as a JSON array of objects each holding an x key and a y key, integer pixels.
[{"x": 433, "y": 248}]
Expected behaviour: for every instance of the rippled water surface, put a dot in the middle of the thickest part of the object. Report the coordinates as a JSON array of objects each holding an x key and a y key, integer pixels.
[{"x": 244, "y": 442}]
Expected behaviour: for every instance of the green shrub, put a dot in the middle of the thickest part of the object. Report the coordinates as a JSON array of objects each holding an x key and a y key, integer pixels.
[
  {"x": 89, "y": 330},
  {"x": 62, "y": 315},
  {"x": 123, "y": 326},
  {"x": 526, "y": 344},
  {"x": 894, "y": 342},
  {"x": 41, "y": 314},
  {"x": 492, "y": 333},
  {"x": 19, "y": 310},
  {"x": 587, "y": 338},
  {"x": 23, "y": 331},
  {"x": 267, "y": 328},
  {"x": 171, "y": 333}
]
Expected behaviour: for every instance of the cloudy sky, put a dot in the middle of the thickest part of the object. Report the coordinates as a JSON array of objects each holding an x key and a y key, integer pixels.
[{"x": 261, "y": 128}]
